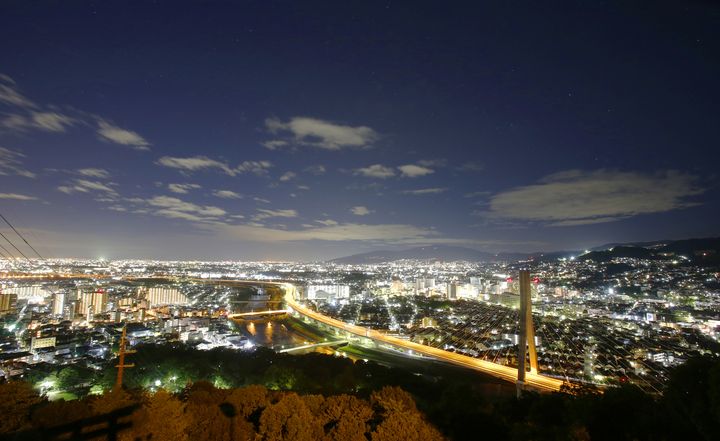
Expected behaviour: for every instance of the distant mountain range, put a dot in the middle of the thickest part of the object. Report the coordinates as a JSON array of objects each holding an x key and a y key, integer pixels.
[
  {"x": 705, "y": 250},
  {"x": 435, "y": 252}
]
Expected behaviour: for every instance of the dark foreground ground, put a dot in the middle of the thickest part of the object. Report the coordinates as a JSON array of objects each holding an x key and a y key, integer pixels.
[{"x": 208, "y": 397}]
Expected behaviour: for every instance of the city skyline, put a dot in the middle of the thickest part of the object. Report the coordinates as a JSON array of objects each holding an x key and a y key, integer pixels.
[{"x": 273, "y": 132}]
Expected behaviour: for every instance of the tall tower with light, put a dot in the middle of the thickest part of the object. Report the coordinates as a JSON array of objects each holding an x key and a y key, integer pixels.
[{"x": 526, "y": 343}]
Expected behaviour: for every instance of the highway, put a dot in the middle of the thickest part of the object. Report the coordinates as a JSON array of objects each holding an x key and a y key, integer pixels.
[
  {"x": 532, "y": 379},
  {"x": 314, "y": 345},
  {"x": 258, "y": 313}
]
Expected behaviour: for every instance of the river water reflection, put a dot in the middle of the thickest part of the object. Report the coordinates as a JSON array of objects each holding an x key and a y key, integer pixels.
[
  {"x": 273, "y": 333},
  {"x": 279, "y": 332}
]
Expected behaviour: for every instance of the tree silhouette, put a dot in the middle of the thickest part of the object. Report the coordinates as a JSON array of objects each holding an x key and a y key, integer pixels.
[
  {"x": 206, "y": 418},
  {"x": 401, "y": 419},
  {"x": 17, "y": 399},
  {"x": 248, "y": 404},
  {"x": 111, "y": 401},
  {"x": 289, "y": 418},
  {"x": 161, "y": 418},
  {"x": 345, "y": 418},
  {"x": 693, "y": 395},
  {"x": 56, "y": 413}
]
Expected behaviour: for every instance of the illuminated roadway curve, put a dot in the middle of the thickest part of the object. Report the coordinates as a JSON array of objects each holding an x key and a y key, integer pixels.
[{"x": 532, "y": 379}]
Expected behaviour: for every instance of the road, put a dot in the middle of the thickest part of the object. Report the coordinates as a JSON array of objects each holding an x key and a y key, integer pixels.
[
  {"x": 257, "y": 313},
  {"x": 532, "y": 379},
  {"x": 314, "y": 345}
]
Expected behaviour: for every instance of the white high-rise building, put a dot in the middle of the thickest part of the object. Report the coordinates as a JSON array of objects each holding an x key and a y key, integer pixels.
[
  {"x": 328, "y": 292},
  {"x": 452, "y": 291},
  {"x": 31, "y": 293},
  {"x": 59, "y": 304},
  {"x": 164, "y": 295},
  {"x": 94, "y": 301}
]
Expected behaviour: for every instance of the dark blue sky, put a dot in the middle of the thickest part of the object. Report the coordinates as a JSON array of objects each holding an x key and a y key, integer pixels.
[{"x": 306, "y": 130}]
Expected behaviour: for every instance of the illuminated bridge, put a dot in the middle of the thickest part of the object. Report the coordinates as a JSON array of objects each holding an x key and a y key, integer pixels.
[
  {"x": 314, "y": 345},
  {"x": 252, "y": 314},
  {"x": 532, "y": 379},
  {"x": 484, "y": 337}
]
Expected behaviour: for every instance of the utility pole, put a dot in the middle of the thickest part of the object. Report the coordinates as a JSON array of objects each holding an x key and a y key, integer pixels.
[
  {"x": 121, "y": 362},
  {"x": 526, "y": 343}
]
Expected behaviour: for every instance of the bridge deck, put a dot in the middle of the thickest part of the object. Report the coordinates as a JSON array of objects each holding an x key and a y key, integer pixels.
[
  {"x": 314, "y": 345},
  {"x": 532, "y": 379}
]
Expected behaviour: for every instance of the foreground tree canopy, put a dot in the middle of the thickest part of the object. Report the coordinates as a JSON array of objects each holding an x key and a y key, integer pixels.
[
  {"x": 204, "y": 412},
  {"x": 178, "y": 393}
]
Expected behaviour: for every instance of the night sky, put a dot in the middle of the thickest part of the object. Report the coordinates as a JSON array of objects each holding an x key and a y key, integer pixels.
[{"x": 308, "y": 130}]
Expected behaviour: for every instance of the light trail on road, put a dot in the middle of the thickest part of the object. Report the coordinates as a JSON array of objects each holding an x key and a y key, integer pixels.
[
  {"x": 504, "y": 372},
  {"x": 248, "y": 314},
  {"x": 507, "y": 373}
]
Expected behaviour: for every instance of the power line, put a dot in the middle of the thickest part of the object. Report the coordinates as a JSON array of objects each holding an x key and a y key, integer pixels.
[
  {"x": 13, "y": 245},
  {"x": 21, "y": 236},
  {"x": 7, "y": 252}
]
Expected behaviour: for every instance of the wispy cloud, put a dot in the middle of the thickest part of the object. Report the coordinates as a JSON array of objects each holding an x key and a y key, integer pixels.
[
  {"x": 172, "y": 208},
  {"x": 51, "y": 121},
  {"x": 113, "y": 133},
  {"x": 414, "y": 171},
  {"x": 339, "y": 232},
  {"x": 317, "y": 169},
  {"x": 17, "y": 197},
  {"x": 256, "y": 167},
  {"x": 11, "y": 164},
  {"x": 275, "y": 144},
  {"x": 439, "y": 162},
  {"x": 375, "y": 171},
  {"x": 360, "y": 210},
  {"x": 264, "y": 213},
  {"x": 195, "y": 163},
  {"x": 380, "y": 171},
  {"x": 26, "y": 115},
  {"x": 10, "y": 94},
  {"x": 318, "y": 133},
  {"x": 183, "y": 188},
  {"x": 227, "y": 194},
  {"x": 86, "y": 186},
  {"x": 100, "y": 173},
  {"x": 578, "y": 197},
  {"x": 422, "y": 191},
  {"x": 175, "y": 208},
  {"x": 198, "y": 163},
  {"x": 287, "y": 176},
  {"x": 390, "y": 234}
]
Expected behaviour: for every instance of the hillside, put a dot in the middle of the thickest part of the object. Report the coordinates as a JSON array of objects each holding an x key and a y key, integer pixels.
[{"x": 703, "y": 251}]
